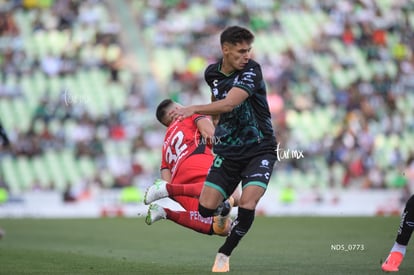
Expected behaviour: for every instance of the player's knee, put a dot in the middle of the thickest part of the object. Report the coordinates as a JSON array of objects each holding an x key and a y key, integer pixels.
[
  {"x": 248, "y": 203},
  {"x": 251, "y": 196},
  {"x": 205, "y": 212}
]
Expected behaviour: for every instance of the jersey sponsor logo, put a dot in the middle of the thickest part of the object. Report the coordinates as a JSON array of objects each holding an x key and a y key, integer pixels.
[
  {"x": 257, "y": 175},
  {"x": 260, "y": 175},
  {"x": 248, "y": 75},
  {"x": 247, "y": 79},
  {"x": 236, "y": 79}
]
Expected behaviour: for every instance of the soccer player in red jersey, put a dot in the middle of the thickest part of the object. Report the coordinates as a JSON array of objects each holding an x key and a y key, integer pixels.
[{"x": 186, "y": 159}]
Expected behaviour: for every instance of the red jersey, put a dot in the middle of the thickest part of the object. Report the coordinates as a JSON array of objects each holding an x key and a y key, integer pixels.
[{"x": 182, "y": 140}]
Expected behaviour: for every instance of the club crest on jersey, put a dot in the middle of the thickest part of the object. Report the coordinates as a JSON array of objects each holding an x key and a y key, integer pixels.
[{"x": 265, "y": 163}]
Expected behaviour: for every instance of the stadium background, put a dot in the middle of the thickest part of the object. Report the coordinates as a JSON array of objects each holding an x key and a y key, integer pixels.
[{"x": 80, "y": 81}]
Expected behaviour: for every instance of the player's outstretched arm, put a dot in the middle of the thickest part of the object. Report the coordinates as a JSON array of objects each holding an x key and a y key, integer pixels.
[{"x": 234, "y": 98}]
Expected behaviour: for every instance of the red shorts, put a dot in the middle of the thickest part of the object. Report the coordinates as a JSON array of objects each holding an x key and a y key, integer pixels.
[
  {"x": 188, "y": 203},
  {"x": 194, "y": 169}
]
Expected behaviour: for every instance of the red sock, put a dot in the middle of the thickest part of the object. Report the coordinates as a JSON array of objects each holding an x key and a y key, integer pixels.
[
  {"x": 191, "y": 219},
  {"x": 189, "y": 190}
]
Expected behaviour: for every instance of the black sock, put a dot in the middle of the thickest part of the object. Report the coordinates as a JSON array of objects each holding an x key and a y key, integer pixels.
[
  {"x": 223, "y": 209},
  {"x": 226, "y": 208},
  {"x": 219, "y": 209},
  {"x": 240, "y": 226},
  {"x": 205, "y": 212},
  {"x": 407, "y": 223}
]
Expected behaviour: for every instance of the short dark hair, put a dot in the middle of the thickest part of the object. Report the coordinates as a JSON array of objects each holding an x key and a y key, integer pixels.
[
  {"x": 161, "y": 109},
  {"x": 236, "y": 34}
]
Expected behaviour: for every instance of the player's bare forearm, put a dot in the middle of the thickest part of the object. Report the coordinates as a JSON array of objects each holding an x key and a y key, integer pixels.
[
  {"x": 235, "y": 97},
  {"x": 206, "y": 128},
  {"x": 215, "y": 108},
  {"x": 215, "y": 118}
]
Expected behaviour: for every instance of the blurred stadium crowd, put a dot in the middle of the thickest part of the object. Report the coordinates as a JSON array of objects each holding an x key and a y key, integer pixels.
[{"x": 80, "y": 81}]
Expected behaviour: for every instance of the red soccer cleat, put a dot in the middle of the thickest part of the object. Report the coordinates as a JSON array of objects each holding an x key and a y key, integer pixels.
[{"x": 392, "y": 262}]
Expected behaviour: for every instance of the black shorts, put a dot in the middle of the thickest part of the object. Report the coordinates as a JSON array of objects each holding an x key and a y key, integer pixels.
[{"x": 225, "y": 174}]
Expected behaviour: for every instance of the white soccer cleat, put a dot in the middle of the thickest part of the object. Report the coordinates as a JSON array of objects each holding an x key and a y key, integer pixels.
[
  {"x": 155, "y": 213},
  {"x": 222, "y": 263},
  {"x": 156, "y": 191}
]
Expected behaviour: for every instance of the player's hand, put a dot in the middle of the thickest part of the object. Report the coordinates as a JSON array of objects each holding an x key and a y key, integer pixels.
[{"x": 181, "y": 112}]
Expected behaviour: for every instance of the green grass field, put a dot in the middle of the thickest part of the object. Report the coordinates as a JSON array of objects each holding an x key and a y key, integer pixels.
[{"x": 282, "y": 245}]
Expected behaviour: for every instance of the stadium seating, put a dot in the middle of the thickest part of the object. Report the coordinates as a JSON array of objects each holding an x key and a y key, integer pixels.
[{"x": 323, "y": 73}]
